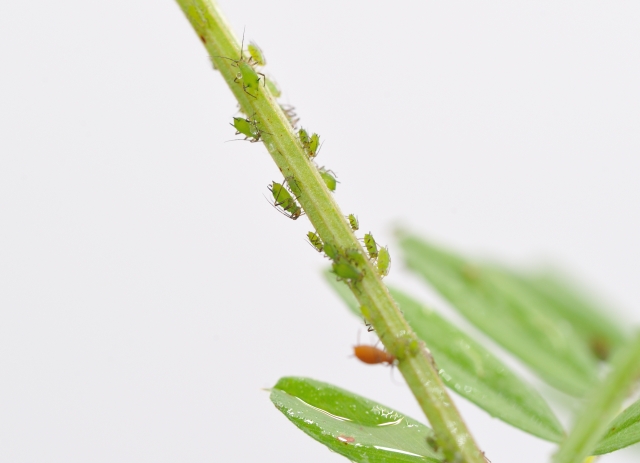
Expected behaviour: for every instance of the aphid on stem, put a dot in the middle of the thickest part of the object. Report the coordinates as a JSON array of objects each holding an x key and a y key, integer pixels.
[
  {"x": 371, "y": 246},
  {"x": 286, "y": 204},
  {"x": 248, "y": 128},
  {"x": 315, "y": 241},
  {"x": 329, "y": 178},
  {"x": 384, "y": 261},
  {"x": 353, "y": 222},
  {"x": 249, "y": 77}
]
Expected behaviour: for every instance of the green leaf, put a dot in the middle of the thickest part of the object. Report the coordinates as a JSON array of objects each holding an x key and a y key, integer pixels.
[
  {"x": 358, "y": 428},
  {"x": 623, "y": 432},
  {"x": 470, "y": 370},
  {"x": 511, "y": 316},
  {"x": 593, "y": 324}
]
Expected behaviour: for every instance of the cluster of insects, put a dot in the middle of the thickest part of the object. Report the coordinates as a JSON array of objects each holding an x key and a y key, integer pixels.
[{"x": 347, "y": 264}]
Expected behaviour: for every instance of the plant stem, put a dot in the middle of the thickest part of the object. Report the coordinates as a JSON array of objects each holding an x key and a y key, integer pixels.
[
  {"x": 602, "y": 406},
  {"x": 415, "y": 362}
]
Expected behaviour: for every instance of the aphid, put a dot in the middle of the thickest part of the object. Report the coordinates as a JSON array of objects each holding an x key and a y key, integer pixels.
[
  {"x": 346, "y": 271},
  {"x": 256, "y": 54},
  {"x": 304, "y": 137},
  {"x": 284, "y": 200},
  {"x": 331, "y": 251},
  {"x": 249, "y": 77},
  {"x": 372, "y": 355},
  {"x": 315, "y": 241},
  {"x": 247, "y": 128},
  {"x": 355, "y": 257},
  {"x": 329, "y": 178},
  {"x": 371, "y": 246},
  {"x": 314, "y": 143},
  {"x": 384, "y": 261},
  {"x": 353, "y": 222},
  {"x": 310, "y": 144}
]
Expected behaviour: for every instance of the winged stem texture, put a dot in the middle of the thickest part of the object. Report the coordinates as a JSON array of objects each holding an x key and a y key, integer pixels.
[{"x": 415, "y": 362}]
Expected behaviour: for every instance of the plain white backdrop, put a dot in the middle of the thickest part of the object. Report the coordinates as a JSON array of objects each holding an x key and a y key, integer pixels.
[{"x": 149, "y": 292}]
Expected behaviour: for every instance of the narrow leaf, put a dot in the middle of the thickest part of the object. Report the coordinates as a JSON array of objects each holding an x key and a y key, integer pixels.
[
  {"x": 623, "y": 431},
  {"x": 510, "y": 316},
  {"x": 470, "y": 370},
  {"x": 358, "y": 428},
  {"x": 602, "y": 405},
  {"x": 594, "y": 324}
]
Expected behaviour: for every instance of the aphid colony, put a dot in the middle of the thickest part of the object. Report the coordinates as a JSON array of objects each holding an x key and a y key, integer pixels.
[{"x": 347, "y": 264}]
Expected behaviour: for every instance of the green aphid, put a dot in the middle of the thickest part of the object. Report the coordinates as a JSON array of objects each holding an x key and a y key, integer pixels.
[
  {"x": 285, "y": 201},
  {"x": 250, "y": 78},
  {"x": 328, "y": 178},
  {"x": 371, "y": 246},
  {"x": 293, "y": 186},
  {"x": 247, "y": 128},
  {"x": 273, "y": 88},
  {"x": 314, "y": 143},
  {"x": 354, "y": 256},
  {"x": 304, "y": 137},
  {"x": 256, "y": 54},
  {"x": 331, "y": 251},
  {"x": 353, "y": 222},
  {"x": 346, "y": 271},
  {"x": 315, "y": 241},
  {"x": 384, "y": 261}
]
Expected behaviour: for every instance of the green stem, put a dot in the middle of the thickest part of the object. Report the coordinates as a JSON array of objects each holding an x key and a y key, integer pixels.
[
  {"x": 415, "y": 362},
  {"x": 602, "y": 406}
]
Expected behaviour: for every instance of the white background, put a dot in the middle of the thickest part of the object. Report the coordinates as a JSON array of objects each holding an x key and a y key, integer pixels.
[{"x": 149, "y": 292}]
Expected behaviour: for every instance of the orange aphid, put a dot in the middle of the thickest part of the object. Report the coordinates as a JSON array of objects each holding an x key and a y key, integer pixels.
[{"x": 372, "y": 355}]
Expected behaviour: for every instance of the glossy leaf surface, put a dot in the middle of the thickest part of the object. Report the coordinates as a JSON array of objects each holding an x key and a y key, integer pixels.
[
  {"x": 507, "y": 314},
  {"x": 623, "y": 432},
  {"x": 470, "y": 370},
  {"x": 358, "y": 428}
]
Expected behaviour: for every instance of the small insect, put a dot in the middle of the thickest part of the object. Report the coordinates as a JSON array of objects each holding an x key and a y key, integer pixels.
[
  {"x": 384, "y": 261},
  {"x": 329, "y": 178},
  {"x": 372, "y": 355},
  {"x": 344, "y": 270},
  {"x": 315, "y": 241},
  {"x": 256, "y": 54},
  {"x": 353, "y": 222},
  {"x": 310, "y": 144},
  {"x": 285, "y": 201},
  {"x": 369, "y": 326},
  {"x": 331, "y": 251},
  {"x": 247, "y": 128},
  {"x": 371, "y": 246},
  {"x": 248, "y": 76}
]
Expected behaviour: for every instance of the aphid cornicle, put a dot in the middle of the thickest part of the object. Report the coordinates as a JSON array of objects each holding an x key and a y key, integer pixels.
[
  {"x": 371, "y": 355},
  {"x": 353, "y": 222},
  {"x": 371, "y": 246},
  {"x": 285, "y": 201}
]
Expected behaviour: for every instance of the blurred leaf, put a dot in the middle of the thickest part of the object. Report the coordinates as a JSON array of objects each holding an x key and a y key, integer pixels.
[
  {"x": 358, "y": 428},
  {"x": 592, "y": 323},
  {"x": 470, "y": 370},
  {"x": 511, "y": 316},
  {"x": 623, "y": 432}
]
